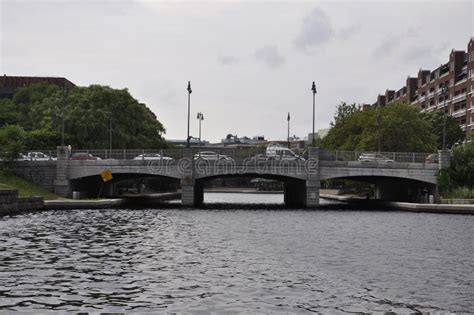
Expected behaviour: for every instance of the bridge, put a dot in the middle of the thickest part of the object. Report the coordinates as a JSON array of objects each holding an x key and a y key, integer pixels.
[{"x": 399, "y": 177}]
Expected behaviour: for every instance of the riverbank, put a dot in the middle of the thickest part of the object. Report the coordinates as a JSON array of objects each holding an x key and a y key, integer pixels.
[
  {"x": 11, "y": 203},
  {"x": 441, "y": 208},
  {"x": 25, "y": 188},
  {"x": 126, "y": 200}
]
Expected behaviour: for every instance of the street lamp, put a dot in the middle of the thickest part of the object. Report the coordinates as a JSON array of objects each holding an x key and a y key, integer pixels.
[
  {"x": 62, "y": 114},
  {"x": 110, "y": 132},
  {"x": 189, "y": 100},
  {"x": 445, "y": 93},
  {"x": 200, "y": 117},
  {"x": 379, "y": 124},
  {"x": 313, "y": 88},
  {"x": 288, "y": 138}
]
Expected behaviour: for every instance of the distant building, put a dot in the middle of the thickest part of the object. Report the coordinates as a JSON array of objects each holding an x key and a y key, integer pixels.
[
  {"x": 9, "y": 84},
  {"x": 425, "y": 90},
  {"x": 234, "y": 140},
  {"x": 194, "y": 142}
]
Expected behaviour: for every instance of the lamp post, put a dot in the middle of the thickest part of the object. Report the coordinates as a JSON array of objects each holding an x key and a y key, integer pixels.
[
  {"x": 110, "y": 133},
  {"x": 189, "y": 100},
  {"x": 313, "y": 88},
  {"x": 445, "y": 93},
  {"x": 379, "y": 124},
  {"x": 62, "y": 114},
  {"x": 288, "y": 138},
  {"x": 200, "y": 117}
]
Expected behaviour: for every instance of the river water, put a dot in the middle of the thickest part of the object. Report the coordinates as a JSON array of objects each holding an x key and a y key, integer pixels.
[{"x": 235, "y": 259}]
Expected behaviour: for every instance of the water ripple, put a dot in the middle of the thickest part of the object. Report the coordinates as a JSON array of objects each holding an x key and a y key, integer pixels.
[{"x": 236, "y": 261}]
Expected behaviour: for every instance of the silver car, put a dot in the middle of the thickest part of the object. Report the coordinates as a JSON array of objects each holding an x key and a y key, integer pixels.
[
  {"x": 374, "y": 157},
  {"x": 153, "y": 156},
  {"x": 38, "y": 156},
  {"x": 211, "y": 156}
]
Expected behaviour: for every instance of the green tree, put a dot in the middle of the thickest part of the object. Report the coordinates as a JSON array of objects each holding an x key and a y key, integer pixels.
[
  {"x": 8, "y": 112},
  {"x": 461, "y": 170},
  {"x": 28, "y": 96},
  {"x": 454, "y": 133},
  {"x": 88, "y": 113},
  {"x": 398, "y": 127},
  {"x": 42, "y": 139},
  {"x": 12, "y": 141}
]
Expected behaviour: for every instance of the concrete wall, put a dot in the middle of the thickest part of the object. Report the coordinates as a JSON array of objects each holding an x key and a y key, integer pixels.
[
  {"x": 42, "y": 173},
  {"x": 10, "y": 203}
]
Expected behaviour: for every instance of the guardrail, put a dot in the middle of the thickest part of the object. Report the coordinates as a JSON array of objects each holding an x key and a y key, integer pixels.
[
  {"x": 367, "y": 156},
  {"x": 235, "y": 154}
]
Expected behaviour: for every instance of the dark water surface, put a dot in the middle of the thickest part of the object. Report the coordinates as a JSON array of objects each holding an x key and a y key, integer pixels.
[{"x": 236, "y": 260}]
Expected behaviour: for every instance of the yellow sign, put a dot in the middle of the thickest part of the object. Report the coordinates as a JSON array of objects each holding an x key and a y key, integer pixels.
[{"x": 106, "y": 175}]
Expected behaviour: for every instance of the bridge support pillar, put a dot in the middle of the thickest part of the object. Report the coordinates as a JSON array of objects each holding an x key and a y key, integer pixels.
[
  {"x": 312, "y": 193},
  {"x": 62, "y": 185},
  {"x": 192, "y": 193},
  {"x": 312, "y": 182}
]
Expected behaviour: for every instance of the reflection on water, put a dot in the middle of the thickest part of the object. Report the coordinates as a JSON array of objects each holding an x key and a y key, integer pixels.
[{"x": 231, "y": 260}]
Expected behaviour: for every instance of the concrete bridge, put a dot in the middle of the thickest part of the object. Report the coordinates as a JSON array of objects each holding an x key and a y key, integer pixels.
[{"x": 401, "y": 177}]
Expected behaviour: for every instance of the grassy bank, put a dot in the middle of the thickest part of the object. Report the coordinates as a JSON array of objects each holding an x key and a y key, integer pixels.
[{"x": 25, "y": 188}]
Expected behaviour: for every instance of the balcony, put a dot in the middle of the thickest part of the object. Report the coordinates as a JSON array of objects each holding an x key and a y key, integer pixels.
[
  {"x": 459, "y": 113},
  {"x": 459, "y": 97},
  {"x": 463, "y": 127},
  {"x": 422, "y": 99},
  {"x": 443, "y": 75}
]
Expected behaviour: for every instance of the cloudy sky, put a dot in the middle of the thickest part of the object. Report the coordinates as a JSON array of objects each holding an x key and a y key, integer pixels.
[{"x": 249, "y": 62}]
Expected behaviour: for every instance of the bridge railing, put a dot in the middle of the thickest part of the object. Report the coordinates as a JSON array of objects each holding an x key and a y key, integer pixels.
[
  {"x": 130, "y": 154},
  {"x": 237, "y": 155},
  {"x": 367, "y": 156}
]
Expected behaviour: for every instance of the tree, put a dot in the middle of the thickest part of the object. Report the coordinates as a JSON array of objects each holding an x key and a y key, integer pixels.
[
  {"x": 461, "y": 170},
  {"x": 88, "y": 113},
  {"x": 42, "y": 139},
  {"x": 398, "y": 127},
  {"x": 344, "y": 111},
  {"x": 26, "y": 97},
  {"x": 12, "y": 141},
  {"x": 454, "y": 133},
  {"x": 8, "y": 112}
]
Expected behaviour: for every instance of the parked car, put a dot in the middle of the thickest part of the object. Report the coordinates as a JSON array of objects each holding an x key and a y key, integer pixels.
[
  {"x": 374, "y": 157},
  {"x": 84, "y": 156},
  {"x": 432, "y": 158},
  {"x": 153, "y": 156},
  {"x": 276, "y": 152},
  {"x": 211, "y": 156},
  {"x": 38, "y": 156},
  {"x": 259, "y": 157}
]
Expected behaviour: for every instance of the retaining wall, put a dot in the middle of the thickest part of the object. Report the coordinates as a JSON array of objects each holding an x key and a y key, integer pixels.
[{"x": 10, "y": 203}]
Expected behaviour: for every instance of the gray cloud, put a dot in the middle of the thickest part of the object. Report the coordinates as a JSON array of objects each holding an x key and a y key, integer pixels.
[
  {"x": 316, "y": 30},
  {"x": 424, "y": 53},
  {"x": 387, "y": 47},
  {"x": 270, "y": 56},
  {"x": 348, "y": 32},
  {"x": 228, "y": 60}
]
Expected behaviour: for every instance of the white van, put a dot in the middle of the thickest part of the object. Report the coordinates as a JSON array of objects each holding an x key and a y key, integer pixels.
[{"x": 277, "y": 152}]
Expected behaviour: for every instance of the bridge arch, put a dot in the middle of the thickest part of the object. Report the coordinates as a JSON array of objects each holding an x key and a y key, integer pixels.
[
  {"x": 92, "y": 185},
  {"x": 392, "y": 188}
]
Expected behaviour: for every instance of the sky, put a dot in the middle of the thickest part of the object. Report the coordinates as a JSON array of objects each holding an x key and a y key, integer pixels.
[{"x": 249, "y": 62}]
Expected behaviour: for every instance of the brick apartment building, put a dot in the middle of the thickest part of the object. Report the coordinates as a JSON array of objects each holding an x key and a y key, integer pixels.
[
  {"x": 9, "y": 84},
  {"x": 449, "y": 87}
]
